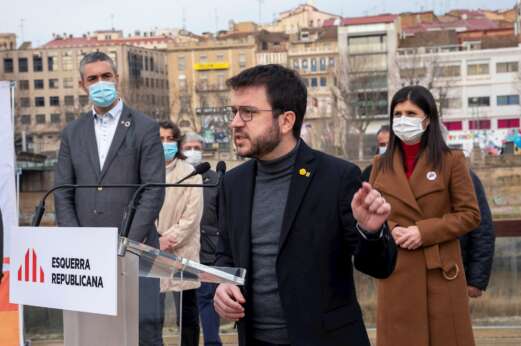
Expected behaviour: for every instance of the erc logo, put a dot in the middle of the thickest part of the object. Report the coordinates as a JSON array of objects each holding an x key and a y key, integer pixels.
[{"x": 30, "y": 271}]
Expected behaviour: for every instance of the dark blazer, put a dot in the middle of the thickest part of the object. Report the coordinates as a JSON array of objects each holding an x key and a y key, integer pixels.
[
  {"x": 135, "y": 157},
  {"x": 477, "y": 247},
  {"x": 209, "y": 222},
  {"x": 317, "y": 242}
]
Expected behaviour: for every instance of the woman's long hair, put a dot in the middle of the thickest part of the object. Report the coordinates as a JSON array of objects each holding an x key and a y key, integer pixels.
[{"x": 432, "y": 139}]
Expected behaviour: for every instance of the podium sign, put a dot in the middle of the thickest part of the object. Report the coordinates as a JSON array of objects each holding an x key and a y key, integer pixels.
[{"x": 65, "y": 268}]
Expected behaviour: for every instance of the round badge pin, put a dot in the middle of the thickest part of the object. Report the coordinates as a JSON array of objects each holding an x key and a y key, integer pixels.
[{"x": 431, "y": 175}]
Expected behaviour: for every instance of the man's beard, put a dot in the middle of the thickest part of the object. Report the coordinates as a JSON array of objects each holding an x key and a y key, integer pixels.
[{"x": 265, "y": 143}]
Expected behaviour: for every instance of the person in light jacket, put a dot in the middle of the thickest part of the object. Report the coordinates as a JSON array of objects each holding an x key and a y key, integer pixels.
[{"x": 179, "y": 229}]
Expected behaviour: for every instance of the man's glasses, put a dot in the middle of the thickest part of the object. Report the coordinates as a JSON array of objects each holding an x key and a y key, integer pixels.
[{"x": 246, "y": 113}]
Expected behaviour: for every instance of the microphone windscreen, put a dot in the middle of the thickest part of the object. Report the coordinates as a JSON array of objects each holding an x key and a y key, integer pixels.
[
  {"x": 221, "y": 167},
  {"x": 202, "y": 168}
]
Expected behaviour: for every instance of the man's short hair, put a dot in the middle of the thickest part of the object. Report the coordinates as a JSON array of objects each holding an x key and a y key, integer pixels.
[
  {"x": 285, "y": 89},
  {"x": 95, "y": 57}
]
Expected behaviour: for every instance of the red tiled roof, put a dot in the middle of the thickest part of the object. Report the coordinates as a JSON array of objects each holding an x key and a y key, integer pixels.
[
  {"x": 92, "y": 41},
  {"x": 382, "y": 18}
]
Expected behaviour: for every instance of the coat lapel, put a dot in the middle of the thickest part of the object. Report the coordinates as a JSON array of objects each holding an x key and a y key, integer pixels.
[
  {"x": 303, "y": 173},
  {"x": 121, "y": 132},
  {"x": 89, "y": 142},
  {"x": 425, "y": 179},
  {"x": 395, "y": 183}
]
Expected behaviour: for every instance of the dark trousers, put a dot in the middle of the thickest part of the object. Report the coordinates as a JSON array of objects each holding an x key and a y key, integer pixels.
[
  {"x": 209, "y": 318},
  {"x": 150, "y": 327},
  {"x": 264, "y": 343},
  {"x": 190, "y": 328}
]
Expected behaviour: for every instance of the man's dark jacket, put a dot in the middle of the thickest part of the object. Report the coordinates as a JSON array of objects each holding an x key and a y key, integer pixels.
[
  {"x": 317, "y": 242},
  {"x": 209, "y": 222},
  {"x": 477, "y": 247},
  {"x": 135, "y": 157}
]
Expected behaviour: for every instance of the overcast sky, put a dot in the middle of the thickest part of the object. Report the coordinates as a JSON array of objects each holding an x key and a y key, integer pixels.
[{"x": 42, "y": 18}]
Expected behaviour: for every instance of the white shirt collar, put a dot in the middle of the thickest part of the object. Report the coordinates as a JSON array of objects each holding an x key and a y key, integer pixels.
[{"x": 114, "y": 113}]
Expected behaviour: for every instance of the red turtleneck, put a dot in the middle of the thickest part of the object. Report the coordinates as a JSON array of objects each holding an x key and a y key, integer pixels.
[{"x": 411, "y": 152}]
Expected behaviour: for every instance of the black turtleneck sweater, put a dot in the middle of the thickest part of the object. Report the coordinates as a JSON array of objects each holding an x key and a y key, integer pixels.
[{"x": 269, "y": 203}]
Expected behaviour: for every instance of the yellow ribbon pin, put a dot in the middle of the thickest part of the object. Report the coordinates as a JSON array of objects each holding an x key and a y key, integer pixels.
[{"x": 302, "y": 172}]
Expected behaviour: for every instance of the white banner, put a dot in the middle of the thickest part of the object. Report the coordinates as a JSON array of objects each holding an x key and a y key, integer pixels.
[
  {"x": 65, "y": 268},
  {"x": 7, "y": 166}
]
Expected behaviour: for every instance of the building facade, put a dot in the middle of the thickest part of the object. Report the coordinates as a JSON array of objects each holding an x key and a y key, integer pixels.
[{"x": 48, "y": 95}]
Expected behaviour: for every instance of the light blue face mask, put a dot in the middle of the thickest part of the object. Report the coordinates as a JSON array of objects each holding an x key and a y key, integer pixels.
[
  {"x": 170, "y": 150},
  {"x": 103, "y": 94}
]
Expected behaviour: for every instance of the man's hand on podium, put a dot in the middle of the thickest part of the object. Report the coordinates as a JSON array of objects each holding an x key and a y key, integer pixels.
[{"x": 228, "y": 302}]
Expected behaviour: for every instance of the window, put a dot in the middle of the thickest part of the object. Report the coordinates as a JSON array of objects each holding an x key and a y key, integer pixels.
[
  {"x": 368, "y": 63},
  {"x": 181, "y": 63},
  {"x": 67, "y": 61},
  {"x": 8, "y": 65},
  {"x": 38, "y": 83},
  {"x": 242, "y": 60},
  {"x": 23, "y": 65},
  {"x": 296, "y": 64},
  {"x": 306, "y": 81},
  {"x": 39, "y": 101},
  {"x": 52, "y": 62},
  {"x": 146, "y": 63},
  {"x": 68, "y": 83},
  {"x": 37, "y": 63},
  {"x": 477, "y": 69},
  {"x": 451, "y": 103},
  {"x": 313, "y": 65},
  {"x": 25, "y": 102},
  {"x": 479, "y": 124},
  {"x": 314, "y": 82},
  {"x": 53, "y": 84},
  {"x": 331, "y": 62},
  {"x": 220, "y": 57},
  {"x": 25, "y": 119},
  {"x": 69, "y": 117},
  {"x": 69, "y": 100},
  {"x": 23, "y": 84},
  {"x": 506, "y": 100},
  {"x": 54, "y": 100},
  {"x": 40, "y": 118},
  {"x": 323, "y": 66},
  {"x": 367, "y": 44},
  {"x": 453, "y": 125},
  {"x": 323, "y": 81},
  {"x": 56, "y": 118},
  {"x": 507, "y": 67},
  {"x": 448, "y": 71},
  {"x": 413, "y": 72},
  {"x": 482, "y": 101},
  {"x": 203, "y": 59},
  {"x": 507, "y": 123},
  {"x": 84, "y": 100},
  {"x": 304, "y": 64}
]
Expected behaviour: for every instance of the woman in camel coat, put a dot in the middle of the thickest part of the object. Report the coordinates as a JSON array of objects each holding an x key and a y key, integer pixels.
[{"x": 424, "y": 302}]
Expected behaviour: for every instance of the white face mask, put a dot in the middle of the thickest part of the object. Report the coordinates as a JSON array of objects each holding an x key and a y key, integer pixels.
[
  {"x": 381, "y": 150},
  {"x": 408, "y": 129},
  {"x": 193, "y": 157}
]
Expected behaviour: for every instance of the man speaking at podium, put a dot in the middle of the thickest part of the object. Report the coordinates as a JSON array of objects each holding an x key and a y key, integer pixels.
[
  {"x": 294, "y": 217},
  {"x": 113, "y": 144}
]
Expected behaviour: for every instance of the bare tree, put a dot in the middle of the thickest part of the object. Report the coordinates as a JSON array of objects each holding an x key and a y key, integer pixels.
[{"x": 361, "y": 98}]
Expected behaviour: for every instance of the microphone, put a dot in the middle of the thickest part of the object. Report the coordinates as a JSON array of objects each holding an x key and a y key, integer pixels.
[
  {"x": 201, "y": 168},
  {"x": 39, "y": 210},
  {"x": 221, "y": 170},
  {"x": 131, "y": 208}
]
